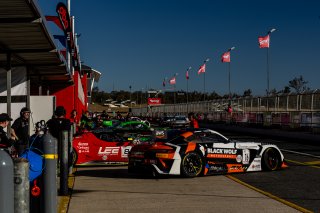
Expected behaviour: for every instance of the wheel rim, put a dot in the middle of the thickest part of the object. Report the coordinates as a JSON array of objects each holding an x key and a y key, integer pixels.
[
  {"x": 272, "y": 159},
  {"x": 74, "y": 157},
  {"x": 192, "y": 164}
]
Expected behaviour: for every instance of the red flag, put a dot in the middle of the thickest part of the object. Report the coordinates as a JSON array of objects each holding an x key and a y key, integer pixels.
[
  {"x": 187, "y": 75},
  {"x": 225, "y": 58},
  {"x": 172, "y": 80},
  {"x": 202, "y": 69},
  {"x": 55, "y": 19},
  {"x": 264, "y": 41}
]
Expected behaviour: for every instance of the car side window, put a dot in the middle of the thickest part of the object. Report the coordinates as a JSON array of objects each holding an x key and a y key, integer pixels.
[
  {"x": 110, "y": 138},
  {"x": 213, "y": 138}
]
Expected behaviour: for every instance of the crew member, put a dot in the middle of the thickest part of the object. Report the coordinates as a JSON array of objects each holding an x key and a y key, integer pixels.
[
  {"x": 5, "y": 142},
  {"x": 20, "y": 130},
  {"x": 59, "y": 122}
]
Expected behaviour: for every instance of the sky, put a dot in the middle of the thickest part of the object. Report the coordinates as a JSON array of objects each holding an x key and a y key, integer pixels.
[{"x": 141, "y": 42}]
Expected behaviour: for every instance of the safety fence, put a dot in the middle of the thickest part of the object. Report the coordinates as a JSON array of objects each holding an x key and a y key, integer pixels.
[{"x": 293, "y": 110}]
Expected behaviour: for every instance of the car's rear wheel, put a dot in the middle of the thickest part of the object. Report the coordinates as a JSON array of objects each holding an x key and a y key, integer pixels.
[
  {"x": 271, "y": 159},
  {"x": 192, "y": 165}
]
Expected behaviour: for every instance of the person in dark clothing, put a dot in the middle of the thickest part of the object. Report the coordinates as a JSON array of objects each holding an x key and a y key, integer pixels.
[
  {"x": 20, "y": 130},
  {"x": 5, "y": 142},
  {"x": 59, "y": 122}
]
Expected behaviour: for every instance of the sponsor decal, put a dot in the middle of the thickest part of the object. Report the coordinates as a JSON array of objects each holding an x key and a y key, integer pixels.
[
  {"x": 83, "y": 144},
  {"x": 216, "y": 169},
  {"x": 235, "y": 168},
  {"x": 83, "y": 147},
  {"x": 246, "y": 156},
  {"x": 104, "y": 157},
  {"x": 108, "y": 150},
  {"x": 221, "y": 156},
  {"x": 154, "y": 101},
  {"x": 222, "y": 151},
  {"x": 256, "y": 166},
  {"x": 150, "y": 161},
  {"x": 239, "y": 158},
  {"x": 162, "y": 155},
  {"x": 160, "y": 134},
  {"x": 125, "y": 151}
]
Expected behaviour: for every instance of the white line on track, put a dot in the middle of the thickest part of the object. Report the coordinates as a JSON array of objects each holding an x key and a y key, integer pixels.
[{"x": 300, "y": 153}]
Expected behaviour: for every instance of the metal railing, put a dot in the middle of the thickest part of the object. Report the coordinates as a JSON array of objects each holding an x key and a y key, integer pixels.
[{"x": 295, "y": 110}]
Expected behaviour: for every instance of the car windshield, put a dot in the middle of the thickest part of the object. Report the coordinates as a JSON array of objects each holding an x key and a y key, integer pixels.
[{"x": 180, "y": 118}]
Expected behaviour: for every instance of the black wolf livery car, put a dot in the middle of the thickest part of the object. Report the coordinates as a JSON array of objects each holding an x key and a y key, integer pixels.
[{"x": 202, "y": 152}]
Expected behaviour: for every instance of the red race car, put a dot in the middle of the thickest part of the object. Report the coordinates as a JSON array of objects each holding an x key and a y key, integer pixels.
[{"x": 105, "y": 146}]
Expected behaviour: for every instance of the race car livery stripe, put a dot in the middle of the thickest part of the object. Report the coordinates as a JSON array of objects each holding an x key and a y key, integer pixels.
[{"x": 191, "y": 147}]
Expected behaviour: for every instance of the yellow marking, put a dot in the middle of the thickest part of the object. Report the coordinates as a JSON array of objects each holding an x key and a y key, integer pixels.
[
  {"x": 301, "y": 163},
  {"x": 65, "y": 200},
  {"x": 50, "y": 156},
  {"x": 313, "y": 162},
  {"x": 299, "y": 208}
]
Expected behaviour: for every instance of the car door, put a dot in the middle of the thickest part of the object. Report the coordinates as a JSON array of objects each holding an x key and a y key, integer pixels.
[{"x": 109, "y": 147}]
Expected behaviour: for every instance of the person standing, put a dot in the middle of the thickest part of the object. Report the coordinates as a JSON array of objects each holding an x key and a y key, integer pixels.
[
  {"x": 5, "y": 142},
  {"x": 193, "y": 121},
  {"x": 4, "y": 121},
  {"x": 20, "y": 130},
  {"x": 59, "y": 122}
]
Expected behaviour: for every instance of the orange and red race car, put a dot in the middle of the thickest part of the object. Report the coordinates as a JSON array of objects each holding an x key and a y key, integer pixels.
[{"x": 202, "y": 152}]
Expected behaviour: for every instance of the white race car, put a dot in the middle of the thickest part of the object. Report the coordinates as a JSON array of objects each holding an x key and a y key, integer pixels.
[{"x": 202, "y": 152}]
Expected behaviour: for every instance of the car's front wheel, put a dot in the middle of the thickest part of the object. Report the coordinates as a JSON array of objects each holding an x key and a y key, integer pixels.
[
  {"x": 74, "y": 157},
  {"x": 271, "y": 159},
  {"x": 192, "y": 165}
]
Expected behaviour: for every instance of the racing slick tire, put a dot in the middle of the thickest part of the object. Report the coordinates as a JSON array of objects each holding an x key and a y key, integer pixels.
[
  {"x": 192, "y": 165},
  {"x": 74, "y": 157},
  {"x": 271, "y": 160}
]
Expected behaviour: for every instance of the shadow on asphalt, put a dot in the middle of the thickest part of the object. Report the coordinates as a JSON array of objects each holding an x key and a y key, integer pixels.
[{"x": 114, "y": 173}]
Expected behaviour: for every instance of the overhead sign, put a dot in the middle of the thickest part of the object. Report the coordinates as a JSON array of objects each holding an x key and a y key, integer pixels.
[{"x": 154, "y": 101}]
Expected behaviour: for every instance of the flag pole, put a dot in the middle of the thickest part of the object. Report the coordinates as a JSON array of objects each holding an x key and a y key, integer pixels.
[
  {"x": 229, "y": 68},
  {"x": 204, "y": 82},
  {"x": 187, "y": 77},
  {"x": 268, "y": 67}
]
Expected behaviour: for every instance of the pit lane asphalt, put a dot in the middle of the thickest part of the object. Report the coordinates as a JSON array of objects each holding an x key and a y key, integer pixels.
[
  {"x": 299, "y": 183},
  {"x": 112, "y": 189}
]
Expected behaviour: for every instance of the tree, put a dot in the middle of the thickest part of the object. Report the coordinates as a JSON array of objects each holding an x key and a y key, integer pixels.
[
  {"x": 247, "y": 92},
  {"x": 299, "y": 84},
  {"x": 286, "y": 89}
]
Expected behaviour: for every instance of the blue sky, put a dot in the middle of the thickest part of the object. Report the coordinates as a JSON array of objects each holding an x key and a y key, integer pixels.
[{"x": 140, "y": 42}]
